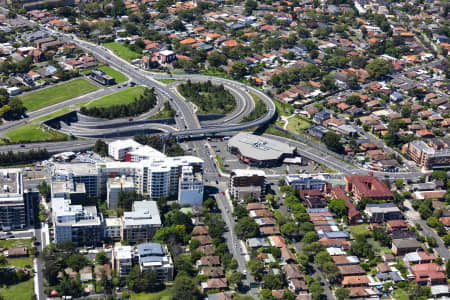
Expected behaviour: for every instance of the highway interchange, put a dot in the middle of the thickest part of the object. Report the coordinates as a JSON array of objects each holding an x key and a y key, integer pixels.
[{"x": 186, "y": 125}]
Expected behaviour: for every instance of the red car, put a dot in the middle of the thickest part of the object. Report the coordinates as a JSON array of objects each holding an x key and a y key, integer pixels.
[{"x": 223, "y": 193}]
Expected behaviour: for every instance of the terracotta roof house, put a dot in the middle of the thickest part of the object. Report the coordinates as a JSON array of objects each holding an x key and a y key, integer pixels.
[
  {"x": 394, "y": 225},
  {"x": 98, "y": 271},
  {"x": 200, "y": 230},
  {"x": 351, "y": 270},
  {"x": 355, "y": 281},
  {"x": 208, "y": 261},
  {"x": 203, "y": 239},
  {"x": 207, "y": 249},
  {"x": 212, "y": 272},
  {"x": 214, "y": 284},
  {"x": 383, "y": 268},
  {"x": 338, "y": 243},
  {"x": 341, "y": 260},
  {"x": 277, "y": 241},
  {"x": 255, "y": 206},
  {"x": 292, "y": 271},
  {"x": 287, "y": 255},
  {"x": 269, "y": 230},
  {"x": 367, "y": 186},
  {"x": 296, "y": 286},
  {"x": 430, "y": 274}
]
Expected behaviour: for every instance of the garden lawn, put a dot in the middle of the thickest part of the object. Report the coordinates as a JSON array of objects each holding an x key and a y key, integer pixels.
[
  {"x": 20, "y": 291},
  {"x": 122, "y": 97},
  {"x": 20, "y": 261},
  {"x": 57, "y": 93},
  {"x": 118, "y": 77},
  {"x": 123, "y": 51},
  {"x": 34, "y": 133},
  {"x": 359, "y": 230},
  {"x": 54, "y": 114},
  {"x": 162, "y": 295},
  {"x": 400, "y": 294},
  {"x": 297, "y": 124}
]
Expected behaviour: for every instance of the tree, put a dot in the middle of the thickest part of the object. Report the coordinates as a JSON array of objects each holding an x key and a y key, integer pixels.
[
  {"x": 342, "y": 293},
  {"x": 316, "y": 290},
  {"x": 353, "y": 100},
  {"x": 246, "y": 228},
  {"x": 185, "y": 288},
  {"x": 289, "y": 229},
  {"x": 240, "y": 212},
  {"x": 310, "y": 237},
  {"x": 432, "y": 222},
  {"x": 250, "y": 6},
  {"x": 256, "y": 268},
  {"x": 16, "y": 111},
  {"x": 333, "y": 142},
  {"x": 236, "y": 278},
  {"x": 77, "y": 262},
  {"x": 101, "y": 258},
  {"x": 183, "y": 265},
  {"x": 101, "y": 148},
  {"x": 272, "y": 281},
  {"x": 338, "y": 207},
  {"x": 44, "y": 189},
  {"x": 3, "y": 261},
  {"x": 238, "y": 70},
  {"x": 217, "y": 59},
  {"x": 379, "y": 67},
  {"x": 328, "y": 84}
]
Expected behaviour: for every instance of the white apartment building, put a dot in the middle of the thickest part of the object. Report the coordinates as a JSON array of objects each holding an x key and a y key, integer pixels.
[
  {"x": 155, "y": 177},
  {"x": 154, "y": 256},
  {"x": 141, "y": 224},
  {"x": 307, "y": 182},
  {"x": 190, "y": 190},
  {"x": 123, "y": 260},
  {"x": 118, "y": 149},
  {"x": 144, "y": 153},
  {"x": 112, "y": 228},
  {"x": 114, "y": 186},
  {"x": 79, "y": 224}
]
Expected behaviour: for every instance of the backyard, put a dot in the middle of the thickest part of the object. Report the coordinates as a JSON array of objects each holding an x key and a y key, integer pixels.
[
  {"x": 162, "y": 295},
  {"x": 118, "y": 98},
  {"x": 19, "y": 261},
  {"x": 20, "y": 291},
  {"x": 123, "y": 51},
  {"x": 57, "y": 93}
]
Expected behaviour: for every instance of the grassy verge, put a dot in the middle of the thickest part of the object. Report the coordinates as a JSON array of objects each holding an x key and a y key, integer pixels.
[
  {"x": 34, "y": 133},
  {"x": 258, "y": 111},
  {"x": 20, "y": 291},
  {"x": 219, "y": 160},
  {"x": 296, "y": 124},
  {"x": 118, "y": 77},
  {"x": 122, "y": 97},
  {"x": 166, "y": 81},
  {"x": 283, "y": 109},
  {"x": 123, "y": 51},
  {"x": 166, "y": 112},
  {"x": 162, "y": 295},
  {"x": 54, "y": 114},
  {"x": 58, "y": 93}
]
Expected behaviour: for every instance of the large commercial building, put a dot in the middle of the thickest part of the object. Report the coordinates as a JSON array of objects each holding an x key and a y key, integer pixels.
[
  {"x": 426, "y": 156},
  {"x": 307, "y": 182},
  {"x": 190, "y": 190},
  {"x": 259, "y": 151},
  {"x": 141, "y": 224},
  {"x": 18, "y": 207},
  {"x": 154, "y": 256},
  {"x": 76, "y": 223},
  {"x": 246, "y": 183}
]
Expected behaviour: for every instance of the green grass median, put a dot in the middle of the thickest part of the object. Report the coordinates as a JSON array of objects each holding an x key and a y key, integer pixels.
[
  {"x": 57, "y": 93},
  {"x": 34, "y": 133},
  {"x": 122, "y": 97}
]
